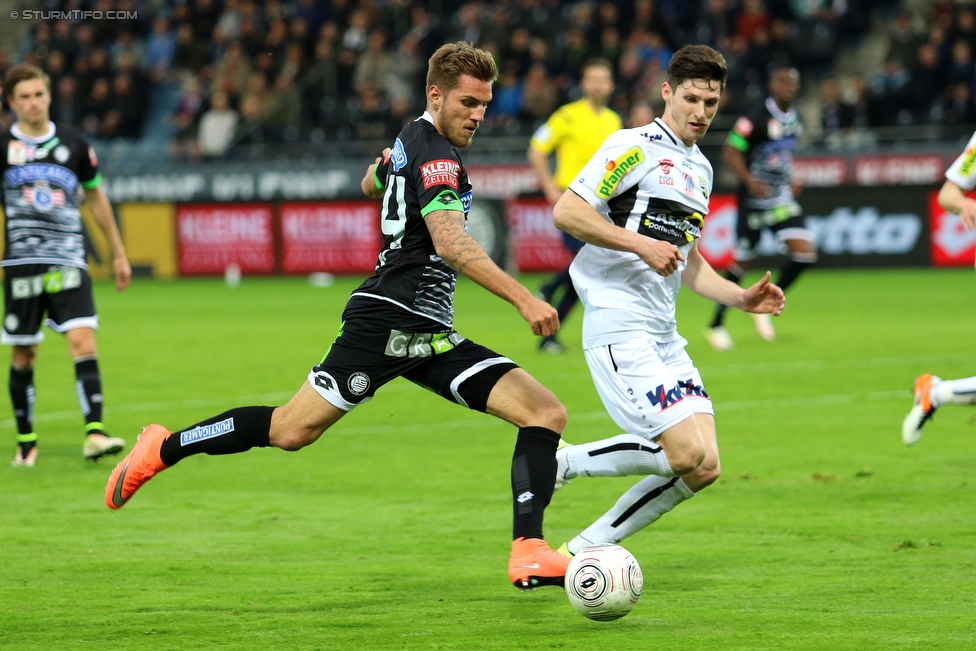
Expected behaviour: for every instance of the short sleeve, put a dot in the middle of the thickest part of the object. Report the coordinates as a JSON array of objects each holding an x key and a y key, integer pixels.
[
  {"x": 88, "y": 173},
  {"x": 436, "y": 176},
  {"x": 548, "y": 136},
  {"x": 617, "y": 166},
  {"x": 962, "y": 172},
  {"x": 740, "y": 134}
]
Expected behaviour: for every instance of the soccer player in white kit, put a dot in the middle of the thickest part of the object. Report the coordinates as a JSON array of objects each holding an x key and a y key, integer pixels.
[
  {"x": 931, "y": 392},
  {"x": 640, "y": 204}
]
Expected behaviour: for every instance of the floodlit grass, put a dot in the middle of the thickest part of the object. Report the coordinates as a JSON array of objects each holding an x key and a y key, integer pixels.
[{"x": 392, "y": 532}]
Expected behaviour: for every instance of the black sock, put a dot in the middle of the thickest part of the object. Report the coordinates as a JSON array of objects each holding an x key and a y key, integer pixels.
[
  {"x": 89, "y": 386},
  {"x": 533, "y": 478},
  {"x": 790, "y": 271},
  {"x": 237, "y": 430},
  {"x": 735, "y": 275},
  {"x": 22, "y": 396}
]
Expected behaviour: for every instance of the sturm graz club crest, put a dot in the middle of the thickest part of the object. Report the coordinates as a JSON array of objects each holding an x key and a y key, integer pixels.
[{"x": 358, "y": 383}]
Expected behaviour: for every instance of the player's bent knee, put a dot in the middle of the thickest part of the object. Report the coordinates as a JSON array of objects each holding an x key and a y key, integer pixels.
[{"x": 685, "y": 461}]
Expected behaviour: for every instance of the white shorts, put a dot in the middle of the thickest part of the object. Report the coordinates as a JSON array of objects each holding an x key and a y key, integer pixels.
[{"x": 646, "y": 386}]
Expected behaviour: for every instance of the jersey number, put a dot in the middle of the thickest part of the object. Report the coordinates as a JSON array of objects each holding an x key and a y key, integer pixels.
[{"x": 394, "y": 223}]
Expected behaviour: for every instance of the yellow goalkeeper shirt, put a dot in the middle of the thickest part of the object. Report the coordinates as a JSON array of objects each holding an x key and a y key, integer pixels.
[{"x": 575, "y": 131}]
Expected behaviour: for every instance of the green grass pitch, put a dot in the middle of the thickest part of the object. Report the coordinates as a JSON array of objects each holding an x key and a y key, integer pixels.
[{"x": 392, "y": 531}]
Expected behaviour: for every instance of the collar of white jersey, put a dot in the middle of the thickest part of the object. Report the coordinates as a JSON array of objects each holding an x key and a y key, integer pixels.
[
  {"x": 427, "y": 116},
  {"x": 672, "y": 135},
  {"x": 20, "y": 135},
  {"x": 788, "y": 116}
]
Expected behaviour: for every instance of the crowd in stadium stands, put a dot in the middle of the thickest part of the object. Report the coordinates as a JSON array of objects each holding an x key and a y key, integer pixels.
[{"x": 297, "y": 70}]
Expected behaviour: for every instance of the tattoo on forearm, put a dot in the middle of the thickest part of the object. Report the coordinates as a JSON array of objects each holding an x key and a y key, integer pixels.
[{"x": 447, "y": 231}]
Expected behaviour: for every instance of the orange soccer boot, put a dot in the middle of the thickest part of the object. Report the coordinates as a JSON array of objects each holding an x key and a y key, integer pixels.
[
  {"x": 534, "y": 563},
  {"x": 138, "y": 467},
  {"x": 922, "y": 409}
]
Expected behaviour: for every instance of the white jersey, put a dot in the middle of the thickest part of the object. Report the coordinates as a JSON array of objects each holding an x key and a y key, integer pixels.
[
  {"x": 645, "y": 180},
  {"x": 962, "y": 172}
]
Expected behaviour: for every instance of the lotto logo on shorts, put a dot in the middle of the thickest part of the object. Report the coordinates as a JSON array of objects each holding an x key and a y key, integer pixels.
[
  {"x": 665, "y": 398},
  {"x": 440, "y": 172}
]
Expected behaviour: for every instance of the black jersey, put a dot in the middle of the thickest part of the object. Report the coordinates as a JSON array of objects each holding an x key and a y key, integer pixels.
[
  {"x": 767, "y": 137},
  {"x": 413, "y": 289},
  {"x": 43, "y": 185}
]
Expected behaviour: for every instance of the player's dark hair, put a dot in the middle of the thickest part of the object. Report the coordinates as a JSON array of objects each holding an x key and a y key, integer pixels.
[
  {"x": 451, "y": 61},
  {"x": 697, "y": 62},
  {"x": 596, "y": 62},
  {"x": 23, "y": 72}
]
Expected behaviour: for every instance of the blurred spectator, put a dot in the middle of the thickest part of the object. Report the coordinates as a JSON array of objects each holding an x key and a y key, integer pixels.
[
  {"x": 285, "y": 110},
  {"x": 715, "y": 25},
  {"x": 96, "y": 106},
  {"x": 499, "y": 29},
  {"x": 905, "y": 40},
  {"x": 190, "y": 54},
  {"x": 890, "y": 94},
  {"x": 250, "y": 130},
  {"x": 835, "y": 114},
  {"x": 160, "y": 48},
  {"x": 217, "y": 126},
  {"x": 507, "y": 102},
  {"x": 927, "y": 83},
  {"x": 65, "y": 104},
  {"x": 540, "y": 96},
  {"x": 961, "y": 67},
  {"x": 374, "y": 65},
  {"x": 577, "y": 49},
  {"x": 958, "y": 107},
  {"x": 753, "y": 17},
  {"x": 124, "y": 118},
  {"x": 369, "y": 120},
  {"x": 965, "y": 27},
  {"x": 233, "y": 69},
  {"x": 405, "y": 78},
  {"x": 126, "y": 45},
  {"x": 640, "y": 114},
  {"x": 469, "y": 24},
  {"x": 188, "y": 111}
]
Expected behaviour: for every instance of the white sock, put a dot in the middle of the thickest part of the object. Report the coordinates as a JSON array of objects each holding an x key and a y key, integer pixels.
[
  {"x": 957, "y": 392},
  {"x": 643, "y": 504},
  {"x": 619, "y": 456}
]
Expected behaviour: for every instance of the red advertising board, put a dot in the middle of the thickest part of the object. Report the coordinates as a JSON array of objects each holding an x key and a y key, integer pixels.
[
  {"x": 340, "y": 237},
  {"x": 952, "y": 244},
  {"x": 212, "y": 236},
  {"x": 899, "y": 169},
  {"x": 820, "y": 171},
  {"x": 717, "y": 242},
  {"x": 536, "y": 244}
]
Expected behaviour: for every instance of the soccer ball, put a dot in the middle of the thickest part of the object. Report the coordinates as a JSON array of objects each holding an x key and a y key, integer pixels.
[{"x": 604, "y": 582}]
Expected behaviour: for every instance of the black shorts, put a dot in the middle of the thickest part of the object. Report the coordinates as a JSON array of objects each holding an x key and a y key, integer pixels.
[
  {"x": 787, "y": 222},
  {"x": 64, "y": 293},
  {"x": 463, "y": 372}
]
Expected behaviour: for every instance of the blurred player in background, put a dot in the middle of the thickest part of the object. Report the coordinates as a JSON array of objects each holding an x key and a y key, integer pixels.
[
  {"x": 932, "y": 392},
  {"x": 399, "y": 322},
  {"x": 759, "y": 151},
  {"x": 48, "y": 172},
  {"x": 641, "y": 219},
  {"x": 575, "y": 131}
]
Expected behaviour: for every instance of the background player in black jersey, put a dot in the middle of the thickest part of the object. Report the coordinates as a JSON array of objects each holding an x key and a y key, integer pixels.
[
  {"x": 48, "y": 171},
  {"x": 759, "y": 150},
  {"x": 399, "y": 322}
]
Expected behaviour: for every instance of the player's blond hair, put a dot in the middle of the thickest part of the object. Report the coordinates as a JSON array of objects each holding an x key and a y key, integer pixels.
[{"x": 451, "y": 61}]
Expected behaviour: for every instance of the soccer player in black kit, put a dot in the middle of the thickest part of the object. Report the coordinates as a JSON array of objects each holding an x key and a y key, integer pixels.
[
  {"x": 759, "y": 150},
  {"x": 399, "y": 322},
  {"x": 48, "y": 171}
]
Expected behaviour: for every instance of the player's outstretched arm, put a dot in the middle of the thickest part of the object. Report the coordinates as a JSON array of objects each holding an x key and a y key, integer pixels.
[
  {"x": 575, "y": 216},
  {"x": 458, "y": 249},
  {"x": 699, "y": 277},
  {"x": 953, "y": 198},
  {"x": 100, "y": 207}
]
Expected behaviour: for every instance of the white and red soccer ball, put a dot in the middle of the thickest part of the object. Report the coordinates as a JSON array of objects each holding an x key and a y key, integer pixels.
[{"x": 604, "y": 582}]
